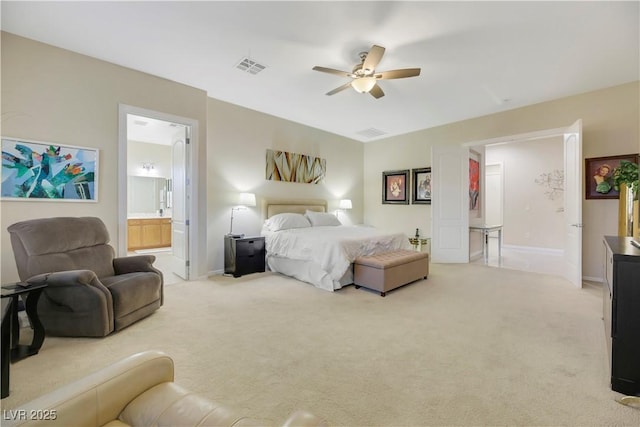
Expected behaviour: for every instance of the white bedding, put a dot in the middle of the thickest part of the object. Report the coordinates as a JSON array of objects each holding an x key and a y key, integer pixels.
[{"x": 323, "y": 255}]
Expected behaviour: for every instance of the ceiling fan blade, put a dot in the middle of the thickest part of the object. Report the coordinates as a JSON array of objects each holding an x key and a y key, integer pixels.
[
  {"x": 376, "y": 92},
  {"x": 332, "y": 71},
  {"x": 373, "y": 58},
  {"x": 398, "y": 74},
  {"x": 339, "y": 89}
]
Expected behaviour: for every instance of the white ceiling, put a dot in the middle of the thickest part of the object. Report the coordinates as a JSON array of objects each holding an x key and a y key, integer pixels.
[{"x": 477, "y": 58}]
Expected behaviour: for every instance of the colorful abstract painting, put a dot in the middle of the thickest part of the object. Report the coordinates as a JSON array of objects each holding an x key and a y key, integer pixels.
[
  {"x": 34, "y": 170},
  {"x": 474, "y": 184},
  {"x": 293, "y": 167}
]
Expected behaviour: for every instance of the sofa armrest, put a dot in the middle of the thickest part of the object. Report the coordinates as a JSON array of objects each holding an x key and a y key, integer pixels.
[
  {"x": 100, "y": 397},
  {"x": 303, "y": 418}
]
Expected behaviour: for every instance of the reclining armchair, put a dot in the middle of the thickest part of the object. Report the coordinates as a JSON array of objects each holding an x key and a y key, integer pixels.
[{"x": 90, "y": 293}]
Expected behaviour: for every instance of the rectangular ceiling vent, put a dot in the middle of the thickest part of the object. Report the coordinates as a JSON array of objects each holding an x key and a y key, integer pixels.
[
  {"x": 250, "y": 66},
  {"x": 371, "y": 133}
]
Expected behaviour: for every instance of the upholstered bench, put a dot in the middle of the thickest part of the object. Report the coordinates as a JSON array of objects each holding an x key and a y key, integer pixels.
[{"x": 389, "y": 270}]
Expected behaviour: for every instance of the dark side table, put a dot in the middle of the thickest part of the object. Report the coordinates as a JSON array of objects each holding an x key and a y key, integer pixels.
[{"x": 11, "y": 326}]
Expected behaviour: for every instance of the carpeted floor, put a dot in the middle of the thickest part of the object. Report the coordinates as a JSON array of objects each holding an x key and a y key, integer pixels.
[{"x": 470, "y": 346}]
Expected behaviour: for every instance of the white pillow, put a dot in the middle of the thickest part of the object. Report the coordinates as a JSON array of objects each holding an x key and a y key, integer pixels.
[
  {"x": 285, "y": 221},
  {"x": 322, "y": 218}
]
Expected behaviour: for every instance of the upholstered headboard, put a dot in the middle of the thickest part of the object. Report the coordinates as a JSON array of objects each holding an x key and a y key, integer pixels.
[{"x": 271, "y": 207}]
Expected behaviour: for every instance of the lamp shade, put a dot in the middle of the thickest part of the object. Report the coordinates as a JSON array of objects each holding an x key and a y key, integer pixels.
[
  {"x": 247, "y": 199},
  {"x": 345, "y": 204},
  {"x": 363, "y": 84}
]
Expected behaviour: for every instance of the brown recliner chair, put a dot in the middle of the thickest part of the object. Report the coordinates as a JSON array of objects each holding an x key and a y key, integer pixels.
[{"x": 90, "y": 293}]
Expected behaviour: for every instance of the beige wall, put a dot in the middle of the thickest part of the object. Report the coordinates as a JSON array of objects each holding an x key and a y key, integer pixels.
[
  {"x": 611, "y": 125},
  {"x": 54, "y": 95},
  {"x": 238, "y": 140},
  {"x": 530, "y": 217}
]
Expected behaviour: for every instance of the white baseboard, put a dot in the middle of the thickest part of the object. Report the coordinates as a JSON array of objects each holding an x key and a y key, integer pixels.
[
  {"x": 593, "y": 279},
  {"x": 533, "y": 249}
]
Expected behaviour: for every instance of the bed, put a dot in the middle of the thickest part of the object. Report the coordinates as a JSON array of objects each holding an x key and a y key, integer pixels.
[{"x": 306, "y": 242}]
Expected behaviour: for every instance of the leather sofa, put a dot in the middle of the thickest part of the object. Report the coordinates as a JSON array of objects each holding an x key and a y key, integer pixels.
[
  {"x": 136, "y": 391},
  {"x": 90, "y": 292}
]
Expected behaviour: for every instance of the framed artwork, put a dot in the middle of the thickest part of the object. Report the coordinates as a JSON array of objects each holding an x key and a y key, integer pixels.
[
  {"x": 294, "y": 167},
  {"x": 394, "y": 187},
  {"x": 43, "y": 171},
  {"x": 421, "y": 186},
  {"x": 598, "y": 173},
  {"x": 474, "y": 183}
]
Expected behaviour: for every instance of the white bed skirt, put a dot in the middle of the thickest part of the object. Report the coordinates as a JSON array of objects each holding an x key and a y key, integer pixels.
[{"x": 309, "y": 272}]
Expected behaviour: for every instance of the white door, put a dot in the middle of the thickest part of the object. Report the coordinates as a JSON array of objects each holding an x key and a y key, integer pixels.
[
  {"x": 180, "y": 210},
  {"x": 573, "y": 203},
  {"x": 450, "y": 204}
]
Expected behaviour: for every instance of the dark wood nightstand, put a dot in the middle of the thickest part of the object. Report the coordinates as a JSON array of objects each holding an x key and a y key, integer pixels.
[{"x": 243, "y": 255}]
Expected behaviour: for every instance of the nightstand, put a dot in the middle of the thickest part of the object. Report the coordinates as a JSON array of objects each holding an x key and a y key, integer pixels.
[{"x": 243, "y": 255}]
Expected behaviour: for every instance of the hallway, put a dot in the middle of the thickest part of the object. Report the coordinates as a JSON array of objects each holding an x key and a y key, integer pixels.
[{"x": 521, "y": 259}]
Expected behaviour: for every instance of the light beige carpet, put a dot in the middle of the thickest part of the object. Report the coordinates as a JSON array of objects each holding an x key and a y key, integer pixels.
[{"x": 469, "y": 346}]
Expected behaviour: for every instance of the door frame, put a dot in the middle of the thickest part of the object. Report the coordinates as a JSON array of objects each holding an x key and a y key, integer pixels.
[
  {"x": 191, "y": 172},
  {"x": 440, "y": 255}
]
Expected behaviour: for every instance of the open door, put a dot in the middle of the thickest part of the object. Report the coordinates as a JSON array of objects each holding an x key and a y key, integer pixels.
[
  {"x": 573, "y": 203},
  {"x": 450, "y": 204},
  {"x": 180, "y": 211}
]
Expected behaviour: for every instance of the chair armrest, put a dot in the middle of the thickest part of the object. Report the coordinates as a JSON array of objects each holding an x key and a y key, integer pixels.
[
  {"x": 74, "y": 288},
  {"x": 66, "y": 278},
  {"x": 134, "y": 264},
  {"x": 100, "y": 397}
]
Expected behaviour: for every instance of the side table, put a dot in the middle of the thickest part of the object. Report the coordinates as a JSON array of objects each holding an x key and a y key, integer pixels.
[
  {"x": 11, "y": 326},
  {"x": 244, "y": 255}
]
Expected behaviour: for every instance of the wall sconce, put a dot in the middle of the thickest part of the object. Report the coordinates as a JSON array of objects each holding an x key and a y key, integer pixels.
[
  {"x": 245, "y": 200},
  {"x": 147, "y": 166},
  {"x": 343, "y": 205}
]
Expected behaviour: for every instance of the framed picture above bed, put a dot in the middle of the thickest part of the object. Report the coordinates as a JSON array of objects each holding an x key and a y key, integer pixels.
[
  {"x": 394, "y": 187},
  {"x": 421, "y": 186}
]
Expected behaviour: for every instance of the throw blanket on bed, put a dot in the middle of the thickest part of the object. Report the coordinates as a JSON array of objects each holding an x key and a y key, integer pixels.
[{"x": 332, "y": 248}]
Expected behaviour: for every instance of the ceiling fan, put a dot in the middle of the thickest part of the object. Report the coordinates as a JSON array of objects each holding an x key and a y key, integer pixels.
[{"x": 364, "y": 76}]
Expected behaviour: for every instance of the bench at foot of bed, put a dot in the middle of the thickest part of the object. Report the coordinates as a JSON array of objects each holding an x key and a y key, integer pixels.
[{"x": 390, "y": 270}]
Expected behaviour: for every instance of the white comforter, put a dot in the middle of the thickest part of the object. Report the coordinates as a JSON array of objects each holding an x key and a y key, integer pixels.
[{"x": 327, "y": 252}]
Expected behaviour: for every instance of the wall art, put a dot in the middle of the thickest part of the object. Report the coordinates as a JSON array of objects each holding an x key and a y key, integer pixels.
[
  {"x": 33, "y": 170},
  {"x": 394, "y": 187},
  {"x": 598, "y": 173},
  {"x": 421, "y": 186},
  {"x": 474, "y": 183},
  {"x": 293, "y": 167}
]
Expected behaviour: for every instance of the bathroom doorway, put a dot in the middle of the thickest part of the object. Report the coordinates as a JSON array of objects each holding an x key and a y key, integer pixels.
[{"x": 154, "y": 211}]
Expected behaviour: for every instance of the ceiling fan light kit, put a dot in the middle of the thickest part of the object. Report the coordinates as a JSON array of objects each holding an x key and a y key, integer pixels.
[
  {"x": 363, "y": 84},
  {"x": 364, "y": 76}
]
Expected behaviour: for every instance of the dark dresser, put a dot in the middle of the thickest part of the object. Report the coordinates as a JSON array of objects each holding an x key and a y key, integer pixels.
[
  {"x": 243, "y": 255},
  {"x": 622, "y": 313}
]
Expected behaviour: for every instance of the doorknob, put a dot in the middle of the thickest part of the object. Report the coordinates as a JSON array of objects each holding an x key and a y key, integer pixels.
[{"x": 577, "y": 225}]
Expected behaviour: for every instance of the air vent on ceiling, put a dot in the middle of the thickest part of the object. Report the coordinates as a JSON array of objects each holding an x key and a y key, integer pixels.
[
  {"x": 140, "y": 122},
  {"x": 371, "y": 133},
  {"x": 250, "y": 66}
]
